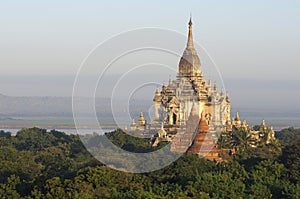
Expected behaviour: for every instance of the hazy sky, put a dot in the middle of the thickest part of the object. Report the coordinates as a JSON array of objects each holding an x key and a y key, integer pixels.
[{"x": 256, "y": 44}]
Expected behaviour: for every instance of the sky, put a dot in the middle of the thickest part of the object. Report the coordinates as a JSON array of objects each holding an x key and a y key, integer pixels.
[{"x": 255, "y": 44}]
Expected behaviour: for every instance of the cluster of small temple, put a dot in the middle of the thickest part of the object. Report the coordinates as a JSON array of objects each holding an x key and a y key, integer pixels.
[{"x": 191, "y": 112}]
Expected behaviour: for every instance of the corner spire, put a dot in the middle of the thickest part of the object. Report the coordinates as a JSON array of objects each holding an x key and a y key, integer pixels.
[
  {"x": 190, "y": 43},
  {"x": 237, "y": 117}
]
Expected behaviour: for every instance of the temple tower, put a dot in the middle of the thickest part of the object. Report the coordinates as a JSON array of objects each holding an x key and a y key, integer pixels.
[{"x": 189, "y": 65}]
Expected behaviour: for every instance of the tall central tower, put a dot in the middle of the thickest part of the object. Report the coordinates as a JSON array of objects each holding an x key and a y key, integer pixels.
[
  {"x": 189, "y": 65},
  {"x": 185, "y": 98}
]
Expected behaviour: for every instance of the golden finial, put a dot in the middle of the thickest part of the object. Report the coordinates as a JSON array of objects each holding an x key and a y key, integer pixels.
[
  {"x": 190, "y": 22},
  {"x": 190, "y": 43}
]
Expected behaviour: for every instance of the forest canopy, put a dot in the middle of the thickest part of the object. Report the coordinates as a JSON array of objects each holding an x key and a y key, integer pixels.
[{"x": 40, "y": 164}]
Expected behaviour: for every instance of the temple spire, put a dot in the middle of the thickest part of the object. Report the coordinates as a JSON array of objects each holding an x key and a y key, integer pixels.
[
  {"x": 237, "y": 117},
  {"x": 190, "y": 43}
]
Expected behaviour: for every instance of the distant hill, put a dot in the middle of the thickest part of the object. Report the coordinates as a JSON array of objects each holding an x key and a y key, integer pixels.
[
  {"x": 19, "y": 107},
  {"x": 34, "y": 106},
  {"x": 59, "y": 106}
]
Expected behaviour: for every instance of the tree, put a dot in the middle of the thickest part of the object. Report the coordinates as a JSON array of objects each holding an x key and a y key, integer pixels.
[
  {"x": 5, "y": 134},
  {"x": 9, "y": 189},
  {"x": 242, "y": 140},
  {"x": 291, "y": 159},
  {"x": 266, "y": 180},
  {"x": 55, "y": 189},
  {"x": 62, "y": 168},
  {"x": 288, "y": 135}
]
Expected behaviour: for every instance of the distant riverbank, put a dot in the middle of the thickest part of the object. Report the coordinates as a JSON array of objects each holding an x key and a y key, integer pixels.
[
  {"x": 14, "y": 131},
  {"x": 67, "y": 125},
  {"x": 64, "y": 123}
]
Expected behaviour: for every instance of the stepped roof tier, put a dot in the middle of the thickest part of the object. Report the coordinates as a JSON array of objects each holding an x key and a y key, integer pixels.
[{"x": 203, "y": 143}]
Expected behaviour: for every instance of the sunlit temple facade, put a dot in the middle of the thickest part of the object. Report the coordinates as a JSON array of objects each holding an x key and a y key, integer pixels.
[
  {"x": 187, "y": 100},
  {"x": 173, "y": 103}
]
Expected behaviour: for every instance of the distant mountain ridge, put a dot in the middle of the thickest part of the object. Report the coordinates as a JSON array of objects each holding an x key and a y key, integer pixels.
[
  {"x": 34, "y": 106},
  {"x": 22, "y": 107},
  {"x": 58, "y": 106}
]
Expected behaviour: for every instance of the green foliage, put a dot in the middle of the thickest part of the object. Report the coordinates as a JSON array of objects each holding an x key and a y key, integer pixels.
[
  {"x": 242, "y": 140},
  {"x": 265, "y": 179},
  {"x": 5, "y": 134},
  {"x": 40, "y": 164},
  {"x": 131, "y": 143},
  {"x": 33, "y": 139},
  {"x": 21, "y": 163},
  {"x": 9, "y": 190},
  {"x": 288, "y": 135},
  {"x": 291, "y": 159}
]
